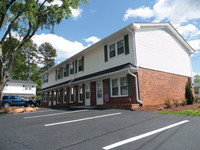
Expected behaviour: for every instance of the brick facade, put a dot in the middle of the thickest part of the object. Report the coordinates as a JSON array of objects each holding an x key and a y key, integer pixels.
[{"x": 156, "y": 86}]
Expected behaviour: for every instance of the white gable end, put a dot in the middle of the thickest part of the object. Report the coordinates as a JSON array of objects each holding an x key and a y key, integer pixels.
[{"x": 158, "y": 49}]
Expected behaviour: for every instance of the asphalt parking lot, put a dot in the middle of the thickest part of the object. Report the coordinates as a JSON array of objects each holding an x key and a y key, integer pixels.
[{"x": 93, "y": 129}]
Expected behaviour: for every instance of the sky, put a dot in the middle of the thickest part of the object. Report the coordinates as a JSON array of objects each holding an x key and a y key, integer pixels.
[{"x": 100, "y": 18}]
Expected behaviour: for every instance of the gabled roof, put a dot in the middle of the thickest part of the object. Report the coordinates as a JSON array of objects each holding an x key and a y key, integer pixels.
[
  {"x": 130, "y": 28},
  {"x": 21, "y": 82}
]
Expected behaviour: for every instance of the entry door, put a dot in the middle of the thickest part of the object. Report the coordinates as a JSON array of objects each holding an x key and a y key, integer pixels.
[
  {"x": 54, "y": 98},
  {"x": 50, "y": 94},
  {"x": 87, "y": 95},
  {"x": 99, "y": 93}
]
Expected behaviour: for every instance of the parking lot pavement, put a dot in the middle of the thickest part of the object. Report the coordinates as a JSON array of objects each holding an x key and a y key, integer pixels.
[{"x": 93, "y": 129}]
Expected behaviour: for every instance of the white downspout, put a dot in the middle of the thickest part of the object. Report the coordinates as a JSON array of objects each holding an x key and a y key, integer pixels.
[{"x": 136, "y": 86}]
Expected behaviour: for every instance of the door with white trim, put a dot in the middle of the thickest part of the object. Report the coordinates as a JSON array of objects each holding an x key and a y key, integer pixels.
[
  {"x": 87, "y": 95},
  {"x": 99, "y": 93},
  {"x": 50, "y": 94}
]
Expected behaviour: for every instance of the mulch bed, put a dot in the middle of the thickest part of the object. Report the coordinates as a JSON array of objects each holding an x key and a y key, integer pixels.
[{"x": 160, "y": 108}]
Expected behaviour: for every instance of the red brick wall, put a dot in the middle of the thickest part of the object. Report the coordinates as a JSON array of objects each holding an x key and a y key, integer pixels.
[{"x": 156, "y": 86}]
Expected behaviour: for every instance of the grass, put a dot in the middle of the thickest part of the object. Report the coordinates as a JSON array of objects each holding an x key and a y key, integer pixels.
[{"x": 195, "y": 112}]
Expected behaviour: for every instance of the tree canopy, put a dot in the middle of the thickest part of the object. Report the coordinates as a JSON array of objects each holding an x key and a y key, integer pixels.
[{"x": 23, "y": 18}]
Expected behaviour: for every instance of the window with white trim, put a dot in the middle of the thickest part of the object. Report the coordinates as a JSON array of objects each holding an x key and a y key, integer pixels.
[
  {"x": 72, "y": 68},
  {"x": 45, "y": 97},
  {"x": 196, "y": 90},
  {"x": 119, "y": 86},
  {"x": 112, "y": 50},
  {"x": 80, "y": 65},
  {"x": 120, "y": 47},
  {"x": 64, "y": 95}
]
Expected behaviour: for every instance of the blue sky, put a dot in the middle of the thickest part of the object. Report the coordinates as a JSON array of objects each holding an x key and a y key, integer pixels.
[{"x": 101, "y": 18}]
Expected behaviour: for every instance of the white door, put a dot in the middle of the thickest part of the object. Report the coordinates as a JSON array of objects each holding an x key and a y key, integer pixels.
[
  {"x": 99, "y": 93},
  {"x": 50, "y": 98},
  {"x": 87, "y": 95},
  {"x": 54, "y": 98}
]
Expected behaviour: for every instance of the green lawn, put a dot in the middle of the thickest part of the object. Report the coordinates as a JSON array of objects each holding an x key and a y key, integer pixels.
[{"x": 195, "y": 112}]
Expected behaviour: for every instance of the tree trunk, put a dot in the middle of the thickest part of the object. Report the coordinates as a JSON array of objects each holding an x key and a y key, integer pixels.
[{"x": 2, "y": 83}]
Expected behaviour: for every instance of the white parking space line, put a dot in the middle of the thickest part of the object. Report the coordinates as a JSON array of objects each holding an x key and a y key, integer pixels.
[
  {"x": 83, "y": 119},
  {"x": 34, "y": 112},
  {"x": 31, "y": 117},
  {"x": 143, "y": 135}
]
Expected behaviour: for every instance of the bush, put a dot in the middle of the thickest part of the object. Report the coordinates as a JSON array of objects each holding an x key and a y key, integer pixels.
[
  {"x": 188, "y": 94},
  {"x": 168, "y": 103},
  {"x": 176, "y": 103},
  {"x": 196, "y": 100},
  {"x": 183, "y": 101}
]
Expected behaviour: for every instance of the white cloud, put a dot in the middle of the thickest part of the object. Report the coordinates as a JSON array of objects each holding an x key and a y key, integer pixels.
[
  {"x": 64, "y": 48},
  {"x": 187, "y": 30},
  {"x": 195, "y": 44},
  {"x": 143, "y": 12},
  {"x": 175, "y": 11},
  {"x": 76, "y": 13},
  {"x": 92, "y": 39}
]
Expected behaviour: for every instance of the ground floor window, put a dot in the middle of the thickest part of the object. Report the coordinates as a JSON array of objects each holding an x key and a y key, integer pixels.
[
  {"x": 119, "y": 86},
  {"x": 64, "y": 95},
  {"x": 196, "y": 90},
  {"x": 45, "y": 97}
]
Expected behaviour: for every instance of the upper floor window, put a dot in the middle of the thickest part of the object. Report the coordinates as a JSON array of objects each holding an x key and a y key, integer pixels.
[
  {"x": 72, "y": 68},
  {"x": 112, "y": 50},
  {"x": 60, "y": 73},
  {"x": 120, "y": 47},
  {"x": 45, "y": 78},
  {"x": 80, "y": 65}
]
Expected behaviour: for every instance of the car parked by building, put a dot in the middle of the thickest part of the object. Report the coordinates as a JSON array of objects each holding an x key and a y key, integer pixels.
[{"x": 15, "y": 101}]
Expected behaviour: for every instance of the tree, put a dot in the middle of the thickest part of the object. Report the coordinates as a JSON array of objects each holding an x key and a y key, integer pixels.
[
  {"x": 25, "y": 17},
  {"x": 48, "y": 54},
  {"x": 188, "y": 94},
  {"x": 197, "y": 79}
]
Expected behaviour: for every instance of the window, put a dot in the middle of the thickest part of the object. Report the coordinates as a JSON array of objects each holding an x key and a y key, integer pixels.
[
  {"x": 112, "y": 50},
  {"x": 60, "y": 73},
  {"x": 120, "y": 47},
  {"x": 64, "y": 95},
  {"x": 26, "y": 87},
  {"x": 115, "y": 87},
  {"x": 45, "y": 97},
  {"x": 119, "y": 86},
  {"x": 65, "y": 71},
  {"x": 72, "y": 68},
  {"x": 45, "y": 78},
  {"x": 196, "y": 90},
  {"x": 80, "y": 65},
  {"x": 80, "y": 93},
  {"x": 56, "y": 75},
  {"x": 123, "y": 86}
]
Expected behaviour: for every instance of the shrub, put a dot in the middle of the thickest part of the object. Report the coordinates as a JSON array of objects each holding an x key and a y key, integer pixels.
[
  {"x": 176, "y": 103},
  {"x": 183, "y": 101},
  {"x": 168, "y": 102},
  {"x": 195, "y": 99},
  {"x": 188, "y": 94}
]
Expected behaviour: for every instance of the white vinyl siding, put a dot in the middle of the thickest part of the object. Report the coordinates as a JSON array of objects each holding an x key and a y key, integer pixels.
[{"x": 158, "y": 49}]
